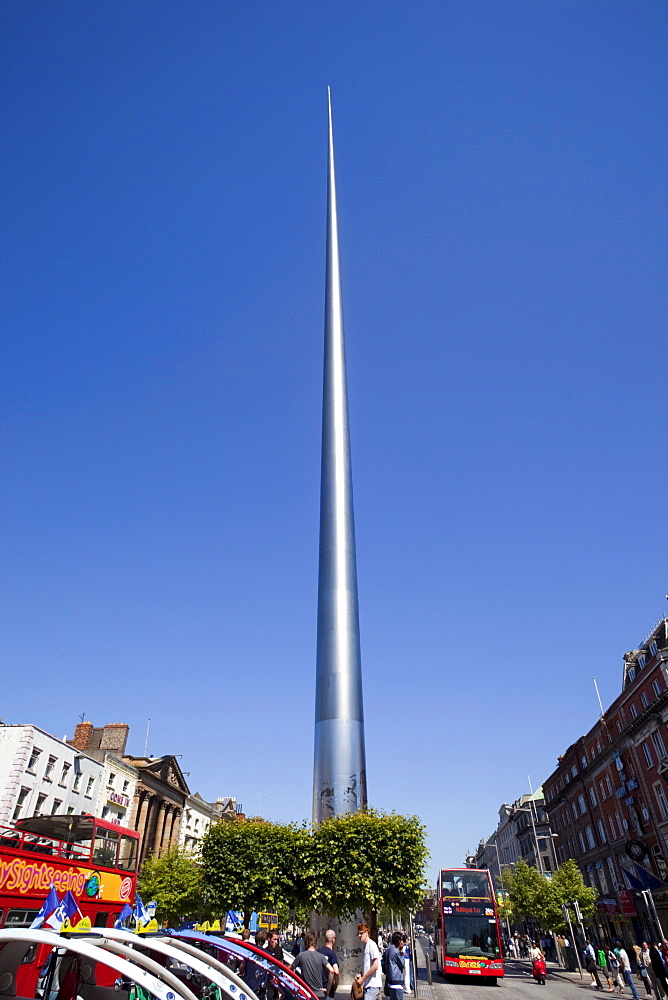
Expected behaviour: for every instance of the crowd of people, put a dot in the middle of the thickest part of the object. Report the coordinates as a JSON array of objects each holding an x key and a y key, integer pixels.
[
  {"x": 650, "y": 962},
  {"x": 387, "y": 964}
]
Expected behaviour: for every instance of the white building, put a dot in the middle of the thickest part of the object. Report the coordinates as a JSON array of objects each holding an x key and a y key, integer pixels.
[
  {"x": 197, "y": 817},
  {"x": 41, "y": 775},
  {"x": 117, "y": 790}
]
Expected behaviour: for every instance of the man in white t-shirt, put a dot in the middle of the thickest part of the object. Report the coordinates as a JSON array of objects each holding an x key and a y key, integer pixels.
[{"x": 370, "y": 978}]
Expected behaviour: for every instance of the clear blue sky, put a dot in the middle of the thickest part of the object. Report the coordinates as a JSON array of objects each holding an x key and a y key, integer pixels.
[{"x": 502, "y": 176}]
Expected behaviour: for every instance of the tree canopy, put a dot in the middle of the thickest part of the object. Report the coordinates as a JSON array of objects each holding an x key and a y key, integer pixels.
[
  {"x": 175, "y": 882},
  {"x": 532, "y": 895},
  {"x": 355, "y": 862}
]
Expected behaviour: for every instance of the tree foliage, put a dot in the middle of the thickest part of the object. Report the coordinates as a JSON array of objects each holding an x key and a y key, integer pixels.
[
  {"x": 175, "y": 881},
  {"x": 350, "y": 863},
  {"x": 531, "y": 895},
  {"x": 368, "y": 860}
]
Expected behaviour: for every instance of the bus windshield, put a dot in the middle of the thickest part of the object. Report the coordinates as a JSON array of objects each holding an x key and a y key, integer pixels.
[
  {"x": 465, "y": 885},
  {"x": 471, "y": 936}
]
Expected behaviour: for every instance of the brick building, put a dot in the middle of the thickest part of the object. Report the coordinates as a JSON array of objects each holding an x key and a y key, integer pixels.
[
  {"x": 116, "y": 790},
  {"x": 608, "y": 797}
]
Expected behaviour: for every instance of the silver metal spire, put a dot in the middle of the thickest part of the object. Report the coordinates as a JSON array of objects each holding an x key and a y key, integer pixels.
[{"x": 339, "y": 774}]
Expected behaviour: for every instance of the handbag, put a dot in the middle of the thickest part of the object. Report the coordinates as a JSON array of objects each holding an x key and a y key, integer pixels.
[{"x": 356, "y": 990}]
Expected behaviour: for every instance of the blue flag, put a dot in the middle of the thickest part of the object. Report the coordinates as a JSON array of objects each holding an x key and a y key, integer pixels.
[
  {"x": 126, "y": 912},
  {"x": 140, "y": 911},
  {"x": 48, "y": 906},
  {"x": 65, "y": 910}
]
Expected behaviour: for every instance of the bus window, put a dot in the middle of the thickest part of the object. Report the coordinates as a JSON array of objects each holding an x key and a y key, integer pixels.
[
  {"x": 20, "y": 918},
  {"x": 100, "y": 919},
  {"x": 106, "y": 848},
  {"x": 127, "y": 857}
]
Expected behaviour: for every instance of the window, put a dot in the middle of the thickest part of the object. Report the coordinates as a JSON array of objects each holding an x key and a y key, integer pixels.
[
  {"x": 613, "y": 873},
  {"x": 613, "y": 828},
  {"x": 620, "y": 822},
  {"x": 644, "y": 700},
  {"x": 89, "y": 786},
  {"x": 583, "y": 849},
  {"x": 575, "y": 810},
  {"x": 568, "y": 779},
  {"x": 111, "y": 779},
  {"x": 648, "y": 753},
  {"x": 601, "y": 830},
  {"x": 602, "y": 878},
  {"x": 608, "y": 785},
  {"x": 656, "y": 688},
  {"x": 574, "y": 771},
  {"x": 100, "y": 919},
  {"x": 20, "y": 918},
  {"x": 659, "y": 745},
  {"x": 583, "y": 760},
  {"x": 41, "y": 799},
  {"x": 57, "y": 803},
  {"x": 582, "y": 804},
  {"x": 653, "y": 649},
  {"x": 48, "y": 771},
  {"x": 590, "y": 838},
  {"x": 77, "y": 782},
  {"x": 662, "y": 800},
  {"x": 619, "y": 725},
  {"x": 592, "y": 752},
  {"x": 34, "y": 757},
  {"x": 65, "y": 774},
  {"x": 633, "y": 710},
  {"x": 632, "y": 673},
  {"x": 592, "y": 796},
  {"x": 641, "y": 661},
  {"x": 23, "y": 795},
  {"x": 70, "y": 810},
  {"x": 126, "y": 784},
  {"x": 598, "y": 746}
]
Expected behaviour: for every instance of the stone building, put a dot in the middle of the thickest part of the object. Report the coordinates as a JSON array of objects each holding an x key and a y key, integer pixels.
[
  {"x": 523, "y": 832},
  {"x": 608, "y": 797},
  {"x": 160, "y": 799}
]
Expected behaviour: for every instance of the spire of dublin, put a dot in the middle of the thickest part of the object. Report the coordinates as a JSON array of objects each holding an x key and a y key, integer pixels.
[{"x": 339, "y": 773}]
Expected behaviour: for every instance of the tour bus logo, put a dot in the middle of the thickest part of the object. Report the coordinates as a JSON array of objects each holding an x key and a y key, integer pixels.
[
  {"x": 92, "y": 886},
  {"x": 126, "y": 888}
]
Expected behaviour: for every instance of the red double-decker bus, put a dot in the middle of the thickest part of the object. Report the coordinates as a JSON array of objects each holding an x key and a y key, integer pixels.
[
  {"x": 467, "y": 936},
  {"x": 95, "y": 860}
]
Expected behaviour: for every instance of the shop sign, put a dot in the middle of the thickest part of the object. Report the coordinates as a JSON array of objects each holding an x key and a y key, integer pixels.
[
  {"x": 626, "y": 903},
  {"x": 118, "y": 799},
  {"x": 608, "y": 905}
]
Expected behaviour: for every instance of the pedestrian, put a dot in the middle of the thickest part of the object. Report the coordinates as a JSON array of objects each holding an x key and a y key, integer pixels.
[
  {"x": 615, "y": 968},
  {"x": 298, "y": 946},
  {"x": 260, "y": 938},
  {"x": 642, "y": 971},
  {"x": 589, "y": 956},
  {"x": 658, "y": 967},
  {"x": 273, "y": 946},
  {"x": 625, "y": 964},
  {"x": 394, "y": 967},
  {"x": 536, "y": 952},
  {"x": 331, "y": 982},
  {"x": 602, "y": 958},
  {"x": 311, "y": 964},
  {"x": 245, "y": 934},
  {"x": 408, "y": 965},
  {"x": 370, "y": 978},
  {"x": 646, "y": 959}
]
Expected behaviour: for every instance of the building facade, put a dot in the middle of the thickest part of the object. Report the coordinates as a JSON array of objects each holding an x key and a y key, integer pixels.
[
  {"x": 42, "y": 775},
  {"x": 119, "y": 779},
  {"x": 159, "y": 802},
  {"x": 608, "y": 797},
  {"x": 522, "y": 833}
]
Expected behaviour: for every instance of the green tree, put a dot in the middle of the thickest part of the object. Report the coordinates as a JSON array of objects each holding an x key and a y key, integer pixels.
[
  {"x": 250, "y": 865},
  {"x": 533, "y": 896},
  {"x": 367, "y": 860},
  {"x": 175, "y": 882}
]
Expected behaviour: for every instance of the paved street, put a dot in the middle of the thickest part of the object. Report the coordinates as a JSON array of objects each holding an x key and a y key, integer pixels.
[{"x": 517, "y": 984}]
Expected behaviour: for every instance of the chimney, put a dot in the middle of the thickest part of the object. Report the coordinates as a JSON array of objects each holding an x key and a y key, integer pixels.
[
  {"x": 82, "y": 736},
  {"x": 114, "y": 737}
]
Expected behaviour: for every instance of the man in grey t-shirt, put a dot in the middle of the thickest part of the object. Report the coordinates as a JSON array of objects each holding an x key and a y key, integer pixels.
[{"x": 311, "y": 964}]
